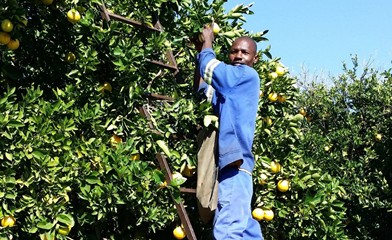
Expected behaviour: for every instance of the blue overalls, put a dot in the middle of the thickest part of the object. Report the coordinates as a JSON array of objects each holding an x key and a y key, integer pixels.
[{"x": 234, "y": 93}]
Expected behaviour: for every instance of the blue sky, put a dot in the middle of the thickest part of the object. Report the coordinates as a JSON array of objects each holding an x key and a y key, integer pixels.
[{"x": 317, "y": 36}]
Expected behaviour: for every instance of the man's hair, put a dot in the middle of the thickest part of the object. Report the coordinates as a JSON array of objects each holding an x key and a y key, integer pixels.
[{"x": 250, "y": 40}]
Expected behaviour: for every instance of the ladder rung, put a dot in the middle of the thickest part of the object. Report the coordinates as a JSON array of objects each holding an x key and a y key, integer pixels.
[
  {"x": 188, "y": 190},
  {"x": 167, "y": 66},
  {"x": 158, "y": 96},
  {"x": 108, "y": 16}
]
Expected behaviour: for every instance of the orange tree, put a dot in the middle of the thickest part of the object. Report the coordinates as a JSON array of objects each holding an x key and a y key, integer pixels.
[
  {"x": 305, "y": 201},
  {"x": 349, "y": 137},
  {"x": 77, "y": 158}
]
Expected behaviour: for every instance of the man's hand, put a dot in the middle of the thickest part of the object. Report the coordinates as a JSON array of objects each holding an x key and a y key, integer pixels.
[
  {"x": 236, "y": 163},
  {"x": 208, "y": 36}
]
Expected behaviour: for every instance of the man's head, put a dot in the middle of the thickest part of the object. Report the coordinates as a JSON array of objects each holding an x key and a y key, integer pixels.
[{"x": 243, "y": 51}]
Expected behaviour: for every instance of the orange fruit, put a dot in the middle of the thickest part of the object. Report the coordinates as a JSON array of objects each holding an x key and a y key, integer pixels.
[
  {"x": 135, "y": 157},
  {"x": 73, "y": 16},
  {"x": 275, "y": 167},
  {"x": 70, "y": 57},
  {"x": 13, "y": 44},
  {"x": 4, "y": 38},
  {"x": 7, "y": 25},
  {"x": 273, "y": 97},
  {"x": 263, "y": 179},
  {"x": 281, "y": 99},
  {"x": 114, "y": 140},
  {"x": 273, "y": 75},
  {"x": 47, "y": 2},
  {"x": 188, "y": 170},
  {"x": 163, "y": 184},
  {"x": 378, "y": 137},
  {"x": 268, "y": 120},
  {"x": 268, "y": 215},
  {"x": 8, "y": 221},
  {"x": 283, "y": 185},
  {"x": 107, "y": 87},
  {"x": 215, "y": 28},
  {"x": 179, "y": 232},
  {"x": 258, "y": 214},
  {"x": 280, "y": 71},
  {"x": 64, "y": 230}
]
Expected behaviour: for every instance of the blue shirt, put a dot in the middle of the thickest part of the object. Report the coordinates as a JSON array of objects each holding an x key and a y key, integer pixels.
[{"x": 234, "y": 92}]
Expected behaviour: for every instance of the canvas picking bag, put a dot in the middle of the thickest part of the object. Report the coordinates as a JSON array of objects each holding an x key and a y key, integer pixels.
[{"x": 207, "y": 173}]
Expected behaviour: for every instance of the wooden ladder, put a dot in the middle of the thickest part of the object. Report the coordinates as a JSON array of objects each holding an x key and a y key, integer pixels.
[{"x": 172, "y": 66}]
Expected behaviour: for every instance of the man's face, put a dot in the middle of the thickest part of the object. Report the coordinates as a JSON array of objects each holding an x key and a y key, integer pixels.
[{"x": 243, "y": 52}]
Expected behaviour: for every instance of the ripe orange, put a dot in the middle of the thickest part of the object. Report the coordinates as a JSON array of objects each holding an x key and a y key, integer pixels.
[
  {"x": 275, "y": 167},
  {"x": 281, "y": 99},
  {"x": 268, "y": 120},
  {"x": 47, "y": 2},
  {"x": 64, "y": 230},
  {"x": 280, "y": 71},
  {"x": 273, "y": 97},
  {"x": 7, "y": 25},
  {"x": 215, "y": 28},
  {"x": 8, "y": 221},
  {"x": 73, "y": 16},
  {"x": 273, "y": 75},
  {"x": 107, "y": 87},
  {"x": 283, "y": 185},
  {"x": 135, "y": 157},
  {"x": 13, "y": 44},
  {"x": 114, "y": 140},
  {"x": 263, "y": 179},
  {"x": 163, "y": 184},
  {"x": 268, "y": 215},
  {"x": 70, "y": 57},
  {"x": 258, "y": 214},
  {"x": 4, "y": 38},
  {"x": 378, "y": 137},
  {"x": 179, "y": 233},
  {"x": 188, "y": 170}
]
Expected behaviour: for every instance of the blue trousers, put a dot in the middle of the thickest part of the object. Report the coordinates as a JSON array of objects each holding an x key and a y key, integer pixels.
[{"x": 233, "y": 216}]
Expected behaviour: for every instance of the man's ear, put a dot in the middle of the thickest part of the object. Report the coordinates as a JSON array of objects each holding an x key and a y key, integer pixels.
[{"x": 256, "y": 58}]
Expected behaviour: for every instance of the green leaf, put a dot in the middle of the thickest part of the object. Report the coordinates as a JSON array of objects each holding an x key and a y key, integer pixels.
[
  {"x": 45, "y": 225},
  {"x": 38, "y": 154},
  {"x": 158, "y": 176},
  {"x": 10, "y": 196},
  {"x": 3, "y": 100},
  {"x": 164, "y": 147},
  {"x": 66, "y": 218},
  {"x": 93, "y": 180},
  {"x": 7, "y": 135},
  {"x": 9, "y": 156},
  {"x": 175, "y": 154},
  {"x": 72, "y": 72}
]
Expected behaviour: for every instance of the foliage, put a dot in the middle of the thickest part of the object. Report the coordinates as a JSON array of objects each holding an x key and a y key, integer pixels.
[
  {"x": 78, "y": 159},
  {"x": 68, "y": 139},
  {"x": 349, "y": 137}
]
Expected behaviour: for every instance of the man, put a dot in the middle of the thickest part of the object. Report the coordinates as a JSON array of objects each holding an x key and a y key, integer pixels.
[{"x": 234, "y": 92}]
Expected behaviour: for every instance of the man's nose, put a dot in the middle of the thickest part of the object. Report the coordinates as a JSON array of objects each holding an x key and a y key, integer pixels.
[{"x": 238, "y": 55}]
